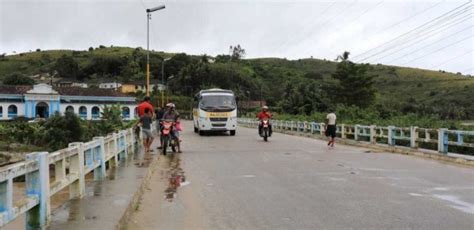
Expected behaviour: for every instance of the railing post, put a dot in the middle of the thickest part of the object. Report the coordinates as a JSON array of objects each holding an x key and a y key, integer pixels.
[
  {"x": 442, "y": 141},
  {"x": 121, "y": 146},
  {"x": 356, "y": 132},
  {"x": 373, "y": 140},
  {"x": 60, "y": 170},
  {"x": 343, "y": 131},
  {"x": 6, "y": 199},
  {"x": 115, "y": 149},
  {"x": 76, "y": 166},
  {"x": 37, "y": 184},
  {"x": 413, "y": 136},
  {"x": 99, "y": 173},
  {"x": 322, "y": 128},
  {"x": 132, "y": 138},
  {"x": 390, "y": 139}
]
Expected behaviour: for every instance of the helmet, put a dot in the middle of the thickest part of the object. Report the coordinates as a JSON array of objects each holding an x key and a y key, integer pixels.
[
  {"x": 171, "y": 105},
  {"x": 265, "y": 107}
]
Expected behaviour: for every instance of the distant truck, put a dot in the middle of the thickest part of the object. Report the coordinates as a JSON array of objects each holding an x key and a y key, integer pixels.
[{"x": 215, "y": 110}]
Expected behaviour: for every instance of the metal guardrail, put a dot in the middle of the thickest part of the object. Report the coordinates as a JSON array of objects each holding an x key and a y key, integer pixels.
[
  {"x": 393, "y": 136},
  {"x": 71, "y": 165}
]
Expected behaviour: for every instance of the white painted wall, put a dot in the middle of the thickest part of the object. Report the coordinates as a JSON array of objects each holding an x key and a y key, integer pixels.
[
  {"x": 20, "y": 108},
  {"x": 62, "y": 108}
]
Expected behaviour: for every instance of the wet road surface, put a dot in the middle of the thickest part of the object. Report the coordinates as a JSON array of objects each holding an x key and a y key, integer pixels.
[{"x": 293, "y": 182}]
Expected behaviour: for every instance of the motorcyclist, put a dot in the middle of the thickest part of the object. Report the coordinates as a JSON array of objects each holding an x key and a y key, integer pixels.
[
  {"x": 172, "y": 114},
  {"x": 264, "y": 114}
]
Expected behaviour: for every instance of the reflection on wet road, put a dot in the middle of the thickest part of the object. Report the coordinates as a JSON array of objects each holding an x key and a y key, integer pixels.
[{"x": 175, "y": 176}]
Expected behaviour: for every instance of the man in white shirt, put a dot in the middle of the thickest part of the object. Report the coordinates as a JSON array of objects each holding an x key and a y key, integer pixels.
[{"x": 331, "y": 128}]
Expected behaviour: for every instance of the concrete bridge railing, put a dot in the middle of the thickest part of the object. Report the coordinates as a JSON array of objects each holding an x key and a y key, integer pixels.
[
  {"x": 71, "y": 165},
  {"x": 393, "y": 136}
]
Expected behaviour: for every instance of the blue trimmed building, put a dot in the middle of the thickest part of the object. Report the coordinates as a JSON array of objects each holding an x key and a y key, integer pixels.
[{"x": 42, "y": 100}]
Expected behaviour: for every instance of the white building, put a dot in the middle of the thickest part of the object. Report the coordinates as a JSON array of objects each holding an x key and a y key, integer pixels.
[
  {"x": 42, "y": 101},
  {"x": 110, "y": 85}
]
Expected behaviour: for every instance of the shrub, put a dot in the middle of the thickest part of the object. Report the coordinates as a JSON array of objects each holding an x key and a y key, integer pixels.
[{"x": 61, "y": 130}]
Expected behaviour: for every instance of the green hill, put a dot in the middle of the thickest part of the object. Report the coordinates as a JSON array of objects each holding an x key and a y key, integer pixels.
[{"x": 300, "y": 86}]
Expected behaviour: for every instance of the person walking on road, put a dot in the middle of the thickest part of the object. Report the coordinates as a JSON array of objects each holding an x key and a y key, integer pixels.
[
  {"x": 146, "y": 121},
  {"x": 331, "y": 128}
]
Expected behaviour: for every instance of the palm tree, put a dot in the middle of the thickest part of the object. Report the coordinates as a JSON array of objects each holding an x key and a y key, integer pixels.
[{"x": 344, "y": 57}]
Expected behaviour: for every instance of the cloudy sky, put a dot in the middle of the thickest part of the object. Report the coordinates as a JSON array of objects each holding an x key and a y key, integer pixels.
[{"x": 426, "y": 34}]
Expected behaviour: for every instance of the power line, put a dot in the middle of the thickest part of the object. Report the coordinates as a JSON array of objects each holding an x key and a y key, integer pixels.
[
  {"x": 451, "y": 59},
  {"x": 354, "y": 19},
  {"x": 423, "y": 39},
  {"x": 414, "y": 29},
  {"x": 410, "y": 17},
  {"x": 417, "y": 34},
  {"x": 442, "y": 48}
]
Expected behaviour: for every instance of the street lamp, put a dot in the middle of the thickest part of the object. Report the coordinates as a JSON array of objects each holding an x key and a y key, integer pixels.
[
  {"x": 167, "y": 89},
  {"x": 148, "y": 16},
  {"x": 163, "y": 80}
]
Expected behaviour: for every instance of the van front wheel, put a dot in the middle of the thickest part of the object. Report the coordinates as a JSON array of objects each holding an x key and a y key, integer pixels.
[{"x": 232, "y": 132}]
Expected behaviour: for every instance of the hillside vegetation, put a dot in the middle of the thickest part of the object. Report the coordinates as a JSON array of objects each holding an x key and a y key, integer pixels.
[{"x": 298, "y": 87}]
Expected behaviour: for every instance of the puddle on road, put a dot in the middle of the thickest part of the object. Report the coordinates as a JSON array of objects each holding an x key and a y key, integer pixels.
[{"x": 174, "y": 174}]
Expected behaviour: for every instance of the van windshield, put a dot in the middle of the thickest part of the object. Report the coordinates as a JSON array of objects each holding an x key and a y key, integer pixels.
[{"x": 217, "y": 102}]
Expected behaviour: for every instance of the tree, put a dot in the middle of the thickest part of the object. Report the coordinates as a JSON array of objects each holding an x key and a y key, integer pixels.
[
  {"x": 355, "y": 86},
  {"x": 45, "y": 58},
  {"x": 237, "y": 52},
  {"x": 91, "y": 49},
  {"x": 61, "y": 130},
  {"x": 130, "y": 71},
  {"x": 18, "y": 79},
  {"x": 67, "y": 67}
]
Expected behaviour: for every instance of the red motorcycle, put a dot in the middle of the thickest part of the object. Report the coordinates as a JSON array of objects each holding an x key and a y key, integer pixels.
[
  {"x": 265, "y": 123},
  {"x": 167, "y": 129}
]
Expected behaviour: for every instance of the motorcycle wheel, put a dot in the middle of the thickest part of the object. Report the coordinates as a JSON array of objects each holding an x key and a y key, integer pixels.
[
  {"x": 165, "y": 145},
  {"x": 265, "y": 135},
  {"x": 173, "y": 145}
]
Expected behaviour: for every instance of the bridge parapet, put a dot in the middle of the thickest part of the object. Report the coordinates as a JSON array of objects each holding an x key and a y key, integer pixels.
[
  {"x": 413, "y": 136},
  {"x": 71, "y": 165}
]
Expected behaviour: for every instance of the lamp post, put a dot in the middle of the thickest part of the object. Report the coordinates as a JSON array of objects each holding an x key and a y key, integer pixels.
[
  {"x": 167, "y": 89},
  {"x": 148, "y": 17},
  {"x": 163, "y": 80}
]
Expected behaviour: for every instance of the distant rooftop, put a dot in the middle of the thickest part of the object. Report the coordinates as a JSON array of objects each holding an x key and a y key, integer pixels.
[{"x": 69, "y": 91}]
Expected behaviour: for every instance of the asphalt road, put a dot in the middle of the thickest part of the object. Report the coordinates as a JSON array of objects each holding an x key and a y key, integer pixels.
[{"x": 241, "y": 182}]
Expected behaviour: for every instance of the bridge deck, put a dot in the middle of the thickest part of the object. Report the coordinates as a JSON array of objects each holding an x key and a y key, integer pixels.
[{"x": 292, "y": 182}]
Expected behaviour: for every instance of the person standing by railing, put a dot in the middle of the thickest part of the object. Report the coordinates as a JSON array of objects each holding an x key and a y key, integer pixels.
[
  {"x": 331, "y": 128},
  {"x": 146, "y": 120}
]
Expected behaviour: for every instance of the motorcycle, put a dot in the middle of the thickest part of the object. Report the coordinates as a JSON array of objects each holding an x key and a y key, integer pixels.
[
  {"x": 265, "y": 129},
  {"x": 167, "y": 128}
]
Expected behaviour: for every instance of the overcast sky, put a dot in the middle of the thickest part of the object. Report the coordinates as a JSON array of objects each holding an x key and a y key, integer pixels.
[{"x": 285, "y": 29}]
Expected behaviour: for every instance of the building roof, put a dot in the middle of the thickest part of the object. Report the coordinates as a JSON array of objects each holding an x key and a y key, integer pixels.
[
  {"x": 69, "y": 91},
  {"x": 141, "y": 82},
  {"x": 76, "y": 91},
  {"x": 14, "y": 89}
]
